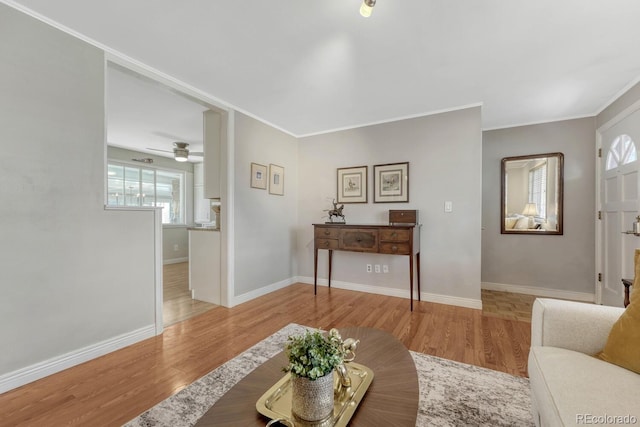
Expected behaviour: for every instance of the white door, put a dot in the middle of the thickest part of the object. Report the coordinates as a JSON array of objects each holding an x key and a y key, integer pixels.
[{"x": 620, "y": 205}]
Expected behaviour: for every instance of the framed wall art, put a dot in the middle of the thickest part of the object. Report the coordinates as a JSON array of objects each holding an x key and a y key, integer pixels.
[
  {"x": 352, "y": 184},
  {"x": 391, "y": 183},
  {"x": 258, "y": 176},
  {"x": 276, "y": 180}
]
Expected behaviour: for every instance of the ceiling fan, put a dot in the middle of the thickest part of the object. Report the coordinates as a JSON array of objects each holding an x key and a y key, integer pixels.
[{"x": 180, "y": 151}]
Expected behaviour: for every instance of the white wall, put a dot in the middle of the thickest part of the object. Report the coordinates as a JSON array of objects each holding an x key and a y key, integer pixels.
[
  {"x": 444, "y": 152},
  {"x": 265, "y": 224},
  {"x": 539, "y": 262},
  {"x": 73, "y": 276}
]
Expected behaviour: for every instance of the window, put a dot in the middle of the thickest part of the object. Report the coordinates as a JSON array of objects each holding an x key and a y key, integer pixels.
[
  {"x": 622, "y": 151},
  {"x": 129, "y": 185},
  {"x": 538, "y": 188}
]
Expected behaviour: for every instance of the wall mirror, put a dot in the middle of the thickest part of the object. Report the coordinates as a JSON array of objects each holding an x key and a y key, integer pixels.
[{"x": 532, "y": 194}]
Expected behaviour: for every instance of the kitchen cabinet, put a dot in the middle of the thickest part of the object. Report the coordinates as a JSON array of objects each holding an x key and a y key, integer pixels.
[
  {"x": 204, "y": 264},
  {"x": 213, "y": 133}
]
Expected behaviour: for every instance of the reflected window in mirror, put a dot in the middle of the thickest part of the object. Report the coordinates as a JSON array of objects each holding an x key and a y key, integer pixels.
[{"x": 532, "y": 194}]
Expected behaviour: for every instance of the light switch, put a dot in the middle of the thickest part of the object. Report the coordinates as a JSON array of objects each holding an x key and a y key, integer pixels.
[{"x": 448, "y": 206}]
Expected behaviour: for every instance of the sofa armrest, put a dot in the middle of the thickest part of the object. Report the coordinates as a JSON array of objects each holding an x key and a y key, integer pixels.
[{"x": 572, "y": 325}]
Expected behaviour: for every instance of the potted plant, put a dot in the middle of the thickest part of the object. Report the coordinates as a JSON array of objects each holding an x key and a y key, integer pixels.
[{"x": 312, "y": 360}]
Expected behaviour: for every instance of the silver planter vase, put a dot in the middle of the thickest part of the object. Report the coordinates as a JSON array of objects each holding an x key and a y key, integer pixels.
[{"x": 312, "y": 400}]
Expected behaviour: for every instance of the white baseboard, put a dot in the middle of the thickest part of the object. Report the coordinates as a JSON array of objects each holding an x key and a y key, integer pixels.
[
  {"x": 175, "y": 260},
  {"x": 260, "y": 292},
  {"x": 43, "y": 369},
  {"x": 395, "y": 292},
  {"x": 540, "y": 292}
]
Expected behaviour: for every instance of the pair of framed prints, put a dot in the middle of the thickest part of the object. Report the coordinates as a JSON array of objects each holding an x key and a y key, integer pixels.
[
  {"x": 390, "y": 183},
  {"x": 275, "y": 178}
]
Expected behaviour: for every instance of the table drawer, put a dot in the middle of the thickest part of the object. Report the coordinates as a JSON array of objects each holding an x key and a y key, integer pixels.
[
  {"x": 359, "y": 240},
  {"x": 326, "y": 232},
  {"x": 327, "y": 243},
  {"x": 395, "y": 235},
  {"x": 395, "y": 248}
]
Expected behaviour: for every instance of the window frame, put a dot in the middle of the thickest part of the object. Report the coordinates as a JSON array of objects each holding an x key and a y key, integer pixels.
[{"x": 145, "y": 167}]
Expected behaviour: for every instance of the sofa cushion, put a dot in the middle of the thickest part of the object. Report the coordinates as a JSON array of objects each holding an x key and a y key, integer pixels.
[
  {"x": 567, "y": 384},
  {"x": 623, "y": 344}
]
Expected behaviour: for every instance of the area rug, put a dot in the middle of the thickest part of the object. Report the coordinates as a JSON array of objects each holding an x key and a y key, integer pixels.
[{"x": 451, "y": 393}]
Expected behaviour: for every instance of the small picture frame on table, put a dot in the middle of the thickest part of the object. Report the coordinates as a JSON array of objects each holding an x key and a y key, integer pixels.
[
  {"x": 258, "y": 176},
  {"x": 391, "y": 183},
  {"x": 276, "y": 180},
  {"x": 352, "y": 184}
]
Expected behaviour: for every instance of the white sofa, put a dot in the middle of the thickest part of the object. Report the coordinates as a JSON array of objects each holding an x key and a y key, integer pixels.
[{"x": 569, "y": 386}]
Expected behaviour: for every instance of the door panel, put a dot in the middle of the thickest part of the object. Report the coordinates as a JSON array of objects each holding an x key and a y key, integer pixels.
[{"x": 620, "y": 203}]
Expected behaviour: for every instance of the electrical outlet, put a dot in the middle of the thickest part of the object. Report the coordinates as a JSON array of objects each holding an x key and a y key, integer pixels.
[
  {"x": 175, "y": 247},
  {"x": 377, "y": 268},
  {"x": 368, "y": 268},
  {"x": 385, "y": 268},
  {"x": 448, "y": 206}
]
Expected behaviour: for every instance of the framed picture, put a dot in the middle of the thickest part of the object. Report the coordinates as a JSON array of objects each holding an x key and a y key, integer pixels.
[
  {"x": 276, "y": 180},
  {"x": 391, "y": 183},
  {"x": 352, "y": 184},
  {"x": 258, "y": 176}
]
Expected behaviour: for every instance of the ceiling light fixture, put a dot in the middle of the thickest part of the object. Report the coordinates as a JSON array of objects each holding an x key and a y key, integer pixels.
[
  {"x": 367, "y": 7},
  {"x": 180, "y": 151}
]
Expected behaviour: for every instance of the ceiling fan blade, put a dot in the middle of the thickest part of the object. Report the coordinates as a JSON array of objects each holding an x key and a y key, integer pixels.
[
  {"x": 196, "y": 153},
  {"x": 156, "y": 149}
]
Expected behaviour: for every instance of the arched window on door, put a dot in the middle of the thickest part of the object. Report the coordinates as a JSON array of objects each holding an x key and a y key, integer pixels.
[{"x": 622, "y": 151}]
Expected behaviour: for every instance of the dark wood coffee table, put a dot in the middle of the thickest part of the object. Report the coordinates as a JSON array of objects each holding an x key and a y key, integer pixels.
[{"x": 392, "y": 398}]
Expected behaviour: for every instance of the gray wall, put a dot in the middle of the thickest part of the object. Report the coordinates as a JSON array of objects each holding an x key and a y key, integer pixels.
[
  {"x": 72, "y": 274},
  {"x": 264, "y": 223},
  {"x": 616, "y": 107},
  {"x": 444, "y": 152},
  {"x": 563, "y": 262}
]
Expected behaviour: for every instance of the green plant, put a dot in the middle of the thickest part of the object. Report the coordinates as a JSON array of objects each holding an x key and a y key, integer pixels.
[{"x": 314, "y": 355}]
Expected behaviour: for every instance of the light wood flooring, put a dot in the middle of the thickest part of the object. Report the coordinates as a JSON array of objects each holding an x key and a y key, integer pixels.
[
  {"x": 507, "y": 305},
  {"x": 177, "y": 302},
  {"x": 112, "y": 389}
]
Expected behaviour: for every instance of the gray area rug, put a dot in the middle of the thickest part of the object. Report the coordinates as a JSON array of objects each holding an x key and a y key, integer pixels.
[{"x": 451, "y": 393}]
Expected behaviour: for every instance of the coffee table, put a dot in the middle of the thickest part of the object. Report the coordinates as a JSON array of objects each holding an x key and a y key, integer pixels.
[{"x": 392, "y": 398}]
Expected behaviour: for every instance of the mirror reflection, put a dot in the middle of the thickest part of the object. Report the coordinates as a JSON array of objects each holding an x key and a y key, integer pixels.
[{"x": 532, "y": 194}]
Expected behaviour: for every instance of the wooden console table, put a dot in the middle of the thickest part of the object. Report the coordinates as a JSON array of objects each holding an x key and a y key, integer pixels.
[{"x": 396, "y": 239}]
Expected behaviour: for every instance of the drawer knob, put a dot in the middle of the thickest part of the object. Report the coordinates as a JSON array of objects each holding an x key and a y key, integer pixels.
[
  {"x": 326, "y": 232},
  {"x": 394, "y": 248},
  {"x": 394, "y": 234},
  {"x": 326, "y": 243}
]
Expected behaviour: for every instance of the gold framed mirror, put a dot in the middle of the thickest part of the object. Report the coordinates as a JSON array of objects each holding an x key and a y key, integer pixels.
[{"x": 532, "y": 194}]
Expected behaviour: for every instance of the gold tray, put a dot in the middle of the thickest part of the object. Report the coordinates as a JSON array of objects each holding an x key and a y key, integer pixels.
[{"x": 276, "y": 402}]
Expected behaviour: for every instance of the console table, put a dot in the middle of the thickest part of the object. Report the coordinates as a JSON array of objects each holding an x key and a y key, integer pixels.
[{"x": 396, "y": 239}]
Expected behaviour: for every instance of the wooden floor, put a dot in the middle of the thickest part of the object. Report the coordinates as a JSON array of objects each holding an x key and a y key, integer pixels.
[
  {"x": 177, "y": 302},
  {"x": 507, "y": 305},
  {"x": 115, "y": 388}
]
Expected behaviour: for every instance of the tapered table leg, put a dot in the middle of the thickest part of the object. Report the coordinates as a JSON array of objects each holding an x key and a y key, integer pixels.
[
  {"x": 418, "y": 272},
  {"x": 315, "y": 271},
  {"x": 330, "y": 262},
  {"x": 411, "y": 279}
]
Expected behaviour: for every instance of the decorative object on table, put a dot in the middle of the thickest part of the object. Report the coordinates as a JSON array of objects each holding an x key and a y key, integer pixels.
[
  {"x": 407, "y": 216},
  {"x": 312, "y": 359},
  {"x": 258, "y": 176},
  {"x": 276, "y": 180},
  {"x": 391, "y": 183},
  {"x": 451, "y": 393},
  {"x": 216, "y": 214},
  {"x": 337, "y": 212},
  {"x": 352, "y": 184}
]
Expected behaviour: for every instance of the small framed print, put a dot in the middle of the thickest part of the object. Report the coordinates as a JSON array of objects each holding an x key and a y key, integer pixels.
[
  {"x": 258, "y": 176},
  {"x": 276, "y": 180},
  {"x": 352, "y": 184},
  {"x": 391, "y": 183}
]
